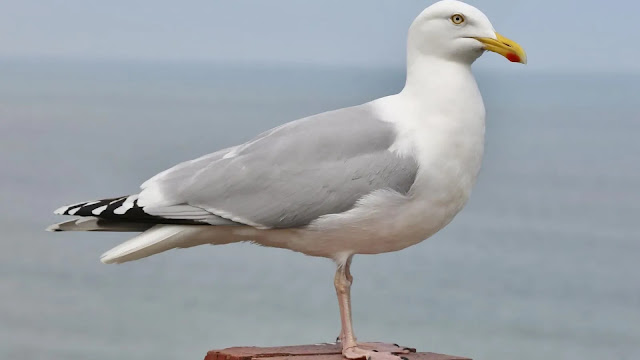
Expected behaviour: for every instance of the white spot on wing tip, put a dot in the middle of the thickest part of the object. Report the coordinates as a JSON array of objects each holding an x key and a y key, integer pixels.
[
  {"x": 131, "y": 199},
  {"x": 61, "y": 210},
  {"x": 126, "y": 205},
  {"x": 98, "y": 211},
  {"x": 122, "y": 209}
]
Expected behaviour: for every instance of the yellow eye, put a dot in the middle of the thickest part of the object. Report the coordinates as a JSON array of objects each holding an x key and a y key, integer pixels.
[{"x": 457, "y": 19}]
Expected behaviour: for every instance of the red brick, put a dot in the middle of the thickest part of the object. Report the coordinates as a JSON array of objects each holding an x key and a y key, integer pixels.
[{"x": 307, "y": 352}]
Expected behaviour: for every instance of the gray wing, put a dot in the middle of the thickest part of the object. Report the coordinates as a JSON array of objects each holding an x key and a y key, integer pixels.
[{"x": 291, "y": 175}]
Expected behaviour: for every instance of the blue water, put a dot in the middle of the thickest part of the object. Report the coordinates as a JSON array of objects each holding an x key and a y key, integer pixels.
[{"x": 541, "y": 264}]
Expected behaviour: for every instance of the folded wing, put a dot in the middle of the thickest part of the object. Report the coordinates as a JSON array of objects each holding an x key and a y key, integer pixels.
[{"x": 288, "y": 176}]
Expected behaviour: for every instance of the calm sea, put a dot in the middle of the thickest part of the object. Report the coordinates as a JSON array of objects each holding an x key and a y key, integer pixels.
[{"x": 543, "y": 263}]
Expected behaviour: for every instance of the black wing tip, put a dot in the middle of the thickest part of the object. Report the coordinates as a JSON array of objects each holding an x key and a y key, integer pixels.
[
  {"x": 85, "y": 208},
  {"x": 106, "y": 209}
]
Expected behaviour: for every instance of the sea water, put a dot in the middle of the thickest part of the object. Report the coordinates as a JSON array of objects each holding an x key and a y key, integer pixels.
[{"x": 543, "y": 262}]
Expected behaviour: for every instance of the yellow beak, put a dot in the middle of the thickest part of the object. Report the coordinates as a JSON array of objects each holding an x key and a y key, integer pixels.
[{"x": 505, "y": 47}]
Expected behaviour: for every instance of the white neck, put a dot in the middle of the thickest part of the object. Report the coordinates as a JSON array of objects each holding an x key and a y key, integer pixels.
[
  {"x": 440, "y": 106},
  {"x": 439, "y": 81}
]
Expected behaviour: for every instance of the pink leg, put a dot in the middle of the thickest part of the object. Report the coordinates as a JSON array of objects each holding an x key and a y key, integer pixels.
[
  {"x": 347, "y": 270},
  {"x": 350, "y": 348}
]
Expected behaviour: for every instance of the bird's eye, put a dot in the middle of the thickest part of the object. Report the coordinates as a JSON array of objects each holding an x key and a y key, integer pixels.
[{"x": 457, "y": 19}]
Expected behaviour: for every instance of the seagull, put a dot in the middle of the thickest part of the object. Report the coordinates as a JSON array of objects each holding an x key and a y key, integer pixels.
[{"x": 367, "y": 179}]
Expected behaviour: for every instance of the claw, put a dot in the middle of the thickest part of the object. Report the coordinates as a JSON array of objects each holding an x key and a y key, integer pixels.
[{"x": 371, "y": 351}]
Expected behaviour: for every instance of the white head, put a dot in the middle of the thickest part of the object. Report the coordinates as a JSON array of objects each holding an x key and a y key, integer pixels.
[{"x": 455, "y": 31}]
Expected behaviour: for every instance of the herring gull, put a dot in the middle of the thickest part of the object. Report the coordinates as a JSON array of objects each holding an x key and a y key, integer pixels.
[{"x": 367, "y": 179}]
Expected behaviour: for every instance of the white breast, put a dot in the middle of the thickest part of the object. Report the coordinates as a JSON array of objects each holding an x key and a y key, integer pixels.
[{"x": 448, "y": 142}]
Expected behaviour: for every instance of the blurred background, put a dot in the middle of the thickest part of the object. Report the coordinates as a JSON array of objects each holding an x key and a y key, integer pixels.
[{"x": 96, "y": 97}]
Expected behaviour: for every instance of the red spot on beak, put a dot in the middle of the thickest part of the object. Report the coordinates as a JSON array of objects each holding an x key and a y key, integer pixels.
[{"x": 513, "y": 57}]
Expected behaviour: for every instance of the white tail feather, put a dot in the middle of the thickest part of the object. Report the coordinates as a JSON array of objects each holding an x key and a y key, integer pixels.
[{"x": 155, "y": 240}]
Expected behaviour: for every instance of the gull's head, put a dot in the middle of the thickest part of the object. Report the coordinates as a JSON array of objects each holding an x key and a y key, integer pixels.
[{"x": 456, "y": 31}]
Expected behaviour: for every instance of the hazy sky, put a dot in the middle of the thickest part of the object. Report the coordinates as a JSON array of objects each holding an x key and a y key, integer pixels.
[{"x": 559, "y": 35}]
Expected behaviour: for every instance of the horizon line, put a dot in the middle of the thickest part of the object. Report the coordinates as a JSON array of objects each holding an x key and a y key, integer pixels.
[{"x": 283, "y": 64}]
